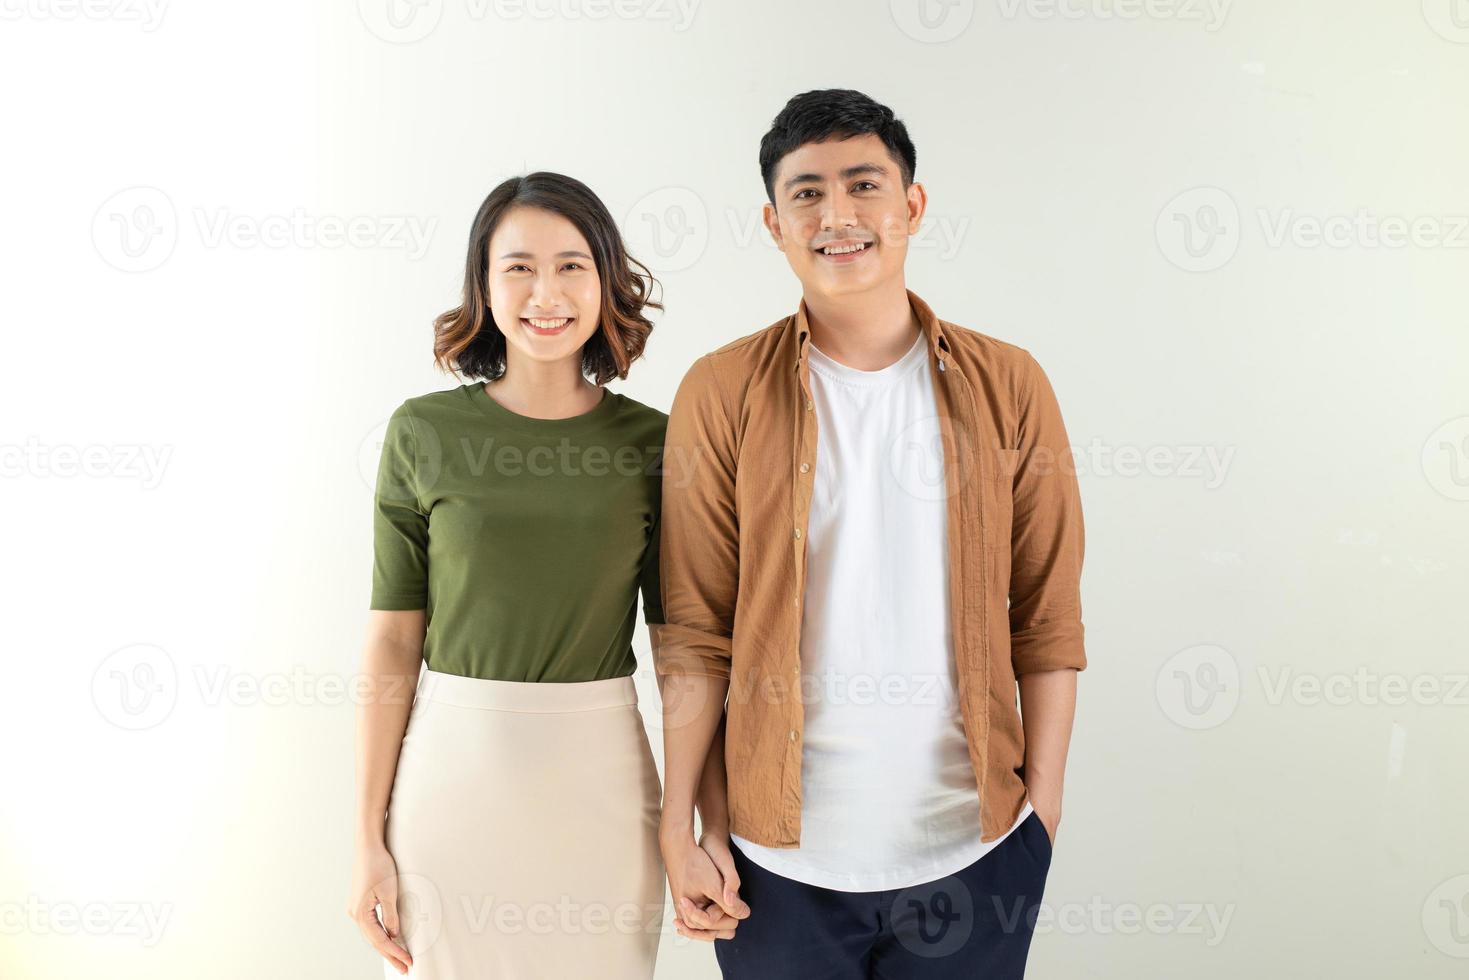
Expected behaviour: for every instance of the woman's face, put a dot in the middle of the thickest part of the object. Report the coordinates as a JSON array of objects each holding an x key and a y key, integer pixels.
[{"x": 544, "y": 290}]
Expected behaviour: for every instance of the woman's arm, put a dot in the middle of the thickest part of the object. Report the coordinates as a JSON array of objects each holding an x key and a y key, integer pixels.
[
  {"x": 390, "y": 668},
  {"x": 389, "y": 680}
]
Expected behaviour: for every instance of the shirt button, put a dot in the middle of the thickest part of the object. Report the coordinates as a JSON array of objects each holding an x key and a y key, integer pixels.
[
  {"x": 793, "y": 734},
  {"x": 798, "y": 532},
  {"x": 805, "y": 467},
  {"x": 808, "y": 404}
]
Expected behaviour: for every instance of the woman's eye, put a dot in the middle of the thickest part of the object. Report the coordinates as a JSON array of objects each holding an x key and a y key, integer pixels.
[
  {"x": 515, "y": 267},
  {"x": 573, "y": 265}
]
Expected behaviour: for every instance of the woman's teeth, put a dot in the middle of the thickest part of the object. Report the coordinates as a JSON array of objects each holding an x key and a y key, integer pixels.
[{"x": 542, "y": 323}]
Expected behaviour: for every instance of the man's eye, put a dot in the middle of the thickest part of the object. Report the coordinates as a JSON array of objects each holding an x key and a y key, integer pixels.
[
  {"x": 802, "y": 194},
  {"x": 865, "y": 183}
]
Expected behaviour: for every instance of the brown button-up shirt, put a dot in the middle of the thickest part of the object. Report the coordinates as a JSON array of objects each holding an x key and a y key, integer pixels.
[{"x": 739, "y": 464}]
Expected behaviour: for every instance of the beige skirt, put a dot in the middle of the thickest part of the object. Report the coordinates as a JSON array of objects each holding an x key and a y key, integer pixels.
[{"x": 524, "y": 824}]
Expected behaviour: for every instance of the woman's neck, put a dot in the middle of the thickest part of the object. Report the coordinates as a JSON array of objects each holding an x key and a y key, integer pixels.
[{"x": 544, "y": 391}]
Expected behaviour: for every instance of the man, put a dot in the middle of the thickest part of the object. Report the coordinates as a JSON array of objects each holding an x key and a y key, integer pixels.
[{"x": 871, "y": 535}]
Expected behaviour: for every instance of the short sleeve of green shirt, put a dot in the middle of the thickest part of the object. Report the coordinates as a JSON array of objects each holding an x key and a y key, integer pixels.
[{"x": 400, "y": 522}]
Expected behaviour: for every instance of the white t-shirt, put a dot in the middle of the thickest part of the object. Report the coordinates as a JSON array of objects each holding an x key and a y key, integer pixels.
[{"x": 889, "y": 798}]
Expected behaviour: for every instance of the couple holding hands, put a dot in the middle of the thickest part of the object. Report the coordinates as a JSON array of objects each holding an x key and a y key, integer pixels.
[{"x": 857, "y": 536}]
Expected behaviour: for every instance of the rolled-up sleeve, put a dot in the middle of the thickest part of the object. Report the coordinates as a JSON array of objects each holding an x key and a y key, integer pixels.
[
  {"x": 1047, "y": 537},
  {"x": 699, "y": 552}
]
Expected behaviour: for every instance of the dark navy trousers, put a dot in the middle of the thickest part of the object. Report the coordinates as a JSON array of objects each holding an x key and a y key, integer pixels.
[{"x": 976, "y": 923}]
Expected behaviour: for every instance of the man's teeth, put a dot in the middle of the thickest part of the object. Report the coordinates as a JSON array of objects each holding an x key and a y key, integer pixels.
[
  {"x": 542, "y": 324},
  {"x": 843, "y": 250}
]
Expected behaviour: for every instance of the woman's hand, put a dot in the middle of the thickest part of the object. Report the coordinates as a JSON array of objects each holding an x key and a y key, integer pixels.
[
  {"x": 706, "y": 904},
  {"x": 374, "y": 882}
]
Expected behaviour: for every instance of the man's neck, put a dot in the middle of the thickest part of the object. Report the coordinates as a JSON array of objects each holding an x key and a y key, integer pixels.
[{"x": 867, "y": 331}]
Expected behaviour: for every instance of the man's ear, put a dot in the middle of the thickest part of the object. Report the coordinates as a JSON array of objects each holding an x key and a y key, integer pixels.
[
  {"x": 917, "y": 205},
  {"x": 772, "y": 225}
]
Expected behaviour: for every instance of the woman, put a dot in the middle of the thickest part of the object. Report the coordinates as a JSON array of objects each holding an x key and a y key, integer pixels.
[{"x": 508, "y": 817}]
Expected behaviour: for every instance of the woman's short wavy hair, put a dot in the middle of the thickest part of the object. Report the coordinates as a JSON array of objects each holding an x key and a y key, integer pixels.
[{"x": 469, "y": 342}]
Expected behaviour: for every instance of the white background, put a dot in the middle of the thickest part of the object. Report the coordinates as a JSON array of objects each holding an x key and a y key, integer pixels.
[{"x": 1267, "y": 774}]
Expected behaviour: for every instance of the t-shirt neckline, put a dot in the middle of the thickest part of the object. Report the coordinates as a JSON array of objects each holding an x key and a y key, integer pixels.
[
  {"x": 824, "y": 365},
  {"x": 500, "y": 413}
]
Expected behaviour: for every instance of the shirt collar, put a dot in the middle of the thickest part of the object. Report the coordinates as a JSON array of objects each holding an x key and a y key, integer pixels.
[{"x": 928, "y": 321}]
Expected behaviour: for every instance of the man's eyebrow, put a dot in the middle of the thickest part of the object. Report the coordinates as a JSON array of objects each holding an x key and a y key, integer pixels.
[
  {"x": 847, "y": 174},
  {"x": 559, "y": 255}
]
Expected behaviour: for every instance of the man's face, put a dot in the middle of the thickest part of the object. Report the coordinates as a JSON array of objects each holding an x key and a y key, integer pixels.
[{"x": 842, "y": 216}]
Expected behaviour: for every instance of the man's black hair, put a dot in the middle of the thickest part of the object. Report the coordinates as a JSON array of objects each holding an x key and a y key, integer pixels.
[{"x": 823, "y": 114}]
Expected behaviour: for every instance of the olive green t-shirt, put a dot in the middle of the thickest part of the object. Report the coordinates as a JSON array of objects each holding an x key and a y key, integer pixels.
[{"x": 526, "y": 540}]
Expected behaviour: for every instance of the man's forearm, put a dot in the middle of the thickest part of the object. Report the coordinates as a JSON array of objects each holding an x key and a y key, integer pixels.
[
  {"x": 714, "y": 787},
  {"x": 693, "y": 709},
  {"x": 1047, "y": 709}
]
